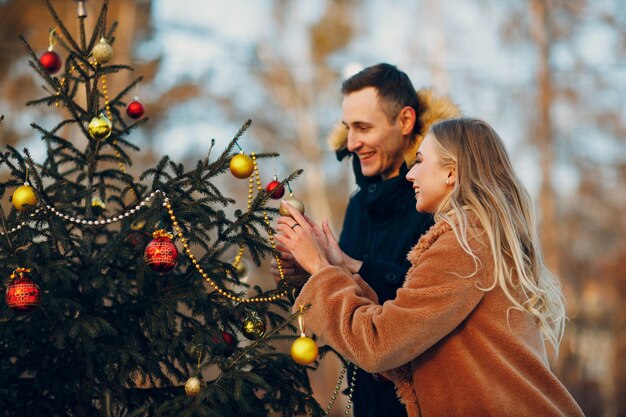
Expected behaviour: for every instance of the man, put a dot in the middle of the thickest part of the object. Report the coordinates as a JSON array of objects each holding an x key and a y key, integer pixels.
[{"x": 383, "y": 123}]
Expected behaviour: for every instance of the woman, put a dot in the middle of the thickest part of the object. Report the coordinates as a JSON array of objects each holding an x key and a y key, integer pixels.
[{"x": 465, "y": 334}]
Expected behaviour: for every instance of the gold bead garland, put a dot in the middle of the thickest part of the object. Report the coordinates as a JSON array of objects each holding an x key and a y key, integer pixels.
[
  {"x": 107, "y": 107},
  {"x": 238, "y": 257},
  {"x": 196, "y": 264},
  {"x": 265, "y": 215}
]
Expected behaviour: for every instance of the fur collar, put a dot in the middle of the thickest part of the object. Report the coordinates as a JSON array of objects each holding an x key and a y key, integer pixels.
[{"x": 427, "y": 240}]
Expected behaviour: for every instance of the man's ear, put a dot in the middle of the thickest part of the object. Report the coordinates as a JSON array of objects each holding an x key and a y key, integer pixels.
[{"x": 407, "y": 119}]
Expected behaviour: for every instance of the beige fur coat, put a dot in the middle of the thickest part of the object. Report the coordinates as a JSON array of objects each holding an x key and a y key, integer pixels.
[{"x": 450, "y": 348}]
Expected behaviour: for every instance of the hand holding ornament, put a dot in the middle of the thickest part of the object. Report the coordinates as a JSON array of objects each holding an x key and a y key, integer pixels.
[
  {"x": 294, "y": 275},
  {"x": 300, "y": 236}
]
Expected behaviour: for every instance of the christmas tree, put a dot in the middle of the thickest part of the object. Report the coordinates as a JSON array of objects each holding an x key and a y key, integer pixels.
[{"x": 123, "y": 297}]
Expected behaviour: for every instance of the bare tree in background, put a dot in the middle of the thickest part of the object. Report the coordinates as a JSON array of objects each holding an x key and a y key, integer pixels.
[
  {"x": 438, "y": 48},
  {"x": 578, "y": 127},
  {"x": 543, "y": 135}
]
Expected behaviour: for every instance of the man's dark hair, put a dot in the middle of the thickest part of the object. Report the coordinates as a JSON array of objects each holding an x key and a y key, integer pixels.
[{"x": 395, "y": 90}]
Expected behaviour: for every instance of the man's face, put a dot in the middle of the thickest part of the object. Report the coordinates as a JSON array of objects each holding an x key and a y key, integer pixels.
[{"x": 377, "y": 143}]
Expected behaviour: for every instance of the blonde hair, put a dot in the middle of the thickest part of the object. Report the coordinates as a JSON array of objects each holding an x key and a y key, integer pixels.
[{"x": 487, "y": 187}]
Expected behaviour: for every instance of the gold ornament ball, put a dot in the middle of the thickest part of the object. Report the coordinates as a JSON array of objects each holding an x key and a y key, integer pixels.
[
  {"x": 297, "y": 204},
  {"x": 102, "y": 52},
  {"x": 304, "y": 350},
  {"x": 100, "y": 127},
  {"x": 23, "y": 196},
  {"x": 193, "y": 386},
  {"x": 241, "y": 166},
  {"x": 253, "y": 327}
]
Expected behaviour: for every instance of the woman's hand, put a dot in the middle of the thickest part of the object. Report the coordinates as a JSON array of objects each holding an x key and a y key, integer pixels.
[
  {"x": 293, "y": 273},
  {"x": 304, "y": 240}
]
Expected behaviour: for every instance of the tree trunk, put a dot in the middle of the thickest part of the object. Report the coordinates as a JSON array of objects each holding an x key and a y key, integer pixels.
[
  {"x": 437, "y": 51},
  {"x": 544, "y": 134}
]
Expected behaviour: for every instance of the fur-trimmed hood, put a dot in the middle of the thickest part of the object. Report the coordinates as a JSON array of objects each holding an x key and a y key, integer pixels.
[{"x": 434, "y": 109}]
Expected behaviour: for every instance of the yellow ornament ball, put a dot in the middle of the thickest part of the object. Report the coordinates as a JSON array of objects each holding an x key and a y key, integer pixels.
[
  {"x": 193, "y": 386},
  {"x": 304, "y": 350},
  {"x": 100, "y": 127},
  {"x": 102, "y": 52},
  {"x": 24, "y": 196},
  {"x": 297, "y": 204},
  {"x": 241, "y": 166}
]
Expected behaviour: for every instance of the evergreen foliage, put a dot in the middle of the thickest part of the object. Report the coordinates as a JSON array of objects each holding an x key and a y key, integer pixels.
[{"x": 112, "y": 337}]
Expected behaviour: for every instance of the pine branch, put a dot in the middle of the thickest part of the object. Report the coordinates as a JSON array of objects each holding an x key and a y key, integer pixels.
[
  {"x": 64, "y": 144},
  {"x": 100, "y": 28},
  {"x": 61, "y": 25},
  {"x": 244, "y": 352},
  {"x": 5, "y": 230},
  {"x": 125, "y": 91}
]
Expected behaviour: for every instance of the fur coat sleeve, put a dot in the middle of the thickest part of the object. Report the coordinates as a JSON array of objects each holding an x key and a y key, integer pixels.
[{"x": 437, "y": 296}]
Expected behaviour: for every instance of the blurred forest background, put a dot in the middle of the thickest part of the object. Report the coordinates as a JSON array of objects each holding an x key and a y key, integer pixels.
[{"x": 549, "y": 75}]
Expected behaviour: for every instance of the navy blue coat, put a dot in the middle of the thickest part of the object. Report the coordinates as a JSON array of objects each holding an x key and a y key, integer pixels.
[{"x": 380, "y": 228}]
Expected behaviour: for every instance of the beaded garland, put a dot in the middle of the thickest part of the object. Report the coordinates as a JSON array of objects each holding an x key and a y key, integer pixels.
[
  {"x": 178, "y": 230},
  {"x": 351, "y": 385}
]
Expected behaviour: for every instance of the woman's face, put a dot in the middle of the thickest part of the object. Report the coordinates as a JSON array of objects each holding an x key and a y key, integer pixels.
[{"x": 431, "y": 181}]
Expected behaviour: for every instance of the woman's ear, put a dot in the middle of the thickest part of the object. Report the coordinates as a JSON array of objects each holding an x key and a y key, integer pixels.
[
  {"x": 407, "y": 120},
  {"x": 451, "y": 179}
]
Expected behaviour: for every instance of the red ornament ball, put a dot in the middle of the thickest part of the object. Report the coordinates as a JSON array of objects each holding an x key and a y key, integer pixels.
[
  {"x": 228, "y": 338},
  {"x": 224, "y": 337},
  {"x": 51, "y": 61},
  {"x": 276, "y": 188},
  {"x": 135, "y": 109},
  {"x": 22, "y": 294},
  {"x": 161, "y": 254}
]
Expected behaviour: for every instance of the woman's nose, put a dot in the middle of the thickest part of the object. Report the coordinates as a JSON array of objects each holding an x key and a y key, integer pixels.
[{"x": 410, "y": 176}]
